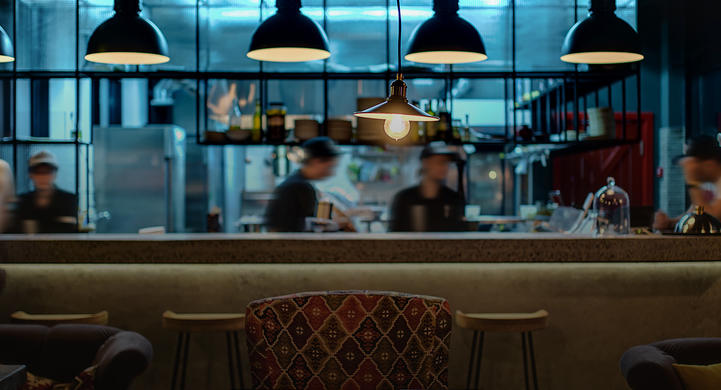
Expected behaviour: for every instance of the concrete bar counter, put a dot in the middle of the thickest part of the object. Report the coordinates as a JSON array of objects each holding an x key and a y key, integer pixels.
[
  {"x": 604, "y": 295},
  {"x": 353, "y": 248}
]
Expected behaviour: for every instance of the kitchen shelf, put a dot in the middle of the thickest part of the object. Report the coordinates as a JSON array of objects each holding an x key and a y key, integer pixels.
[
  {"x": 590, "y": 145},
  {"x": 479, "y": 145},
  {"x": 10, "y": 141},
  {"x": 582, "y": 84}
]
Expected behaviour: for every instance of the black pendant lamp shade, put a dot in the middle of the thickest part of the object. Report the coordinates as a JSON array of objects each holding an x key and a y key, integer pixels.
[
  {"x": 396, "y": 105},
  {"x": 289, "y": 36},
  {"x": 395, "y": 110},
  {"x": 6, "y": 47},
  {"x": 446, "y": 38},
  {"x": 127, "y": 38},
  {"x": 601, "y": 38}
]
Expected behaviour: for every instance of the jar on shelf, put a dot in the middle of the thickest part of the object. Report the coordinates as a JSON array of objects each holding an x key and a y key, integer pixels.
[
  {"x": 611, "y": 206},
  {"x": 276, "y": 132}
]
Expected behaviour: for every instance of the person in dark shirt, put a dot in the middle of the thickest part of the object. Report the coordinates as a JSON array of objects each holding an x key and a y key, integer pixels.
[
  {"x": 46, "y": 209},
  {"x": 429, "y": 206},
  {"x": 295, "y": 199}
]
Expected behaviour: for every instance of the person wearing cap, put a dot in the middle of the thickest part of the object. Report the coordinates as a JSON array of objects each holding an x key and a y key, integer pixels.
[
  {"x": 701, "y": 166},
  {"x": 429, "y": 206},
  {"x": 295, "y": 199},
  {"x": 46, "y": 209}
]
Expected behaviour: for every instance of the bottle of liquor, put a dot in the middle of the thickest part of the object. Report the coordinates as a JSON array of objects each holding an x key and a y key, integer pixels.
[
  {"x": 431, "y": 127},
  {"x": 466, "y": 136},
  {"x": 234, "y": 122},
  {"x": 257, "y": 134}
]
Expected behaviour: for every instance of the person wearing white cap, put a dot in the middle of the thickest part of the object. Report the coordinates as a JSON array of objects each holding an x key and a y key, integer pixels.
[{"x": 46, "y": 209}]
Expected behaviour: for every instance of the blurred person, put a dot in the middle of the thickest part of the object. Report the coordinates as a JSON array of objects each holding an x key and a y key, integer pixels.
[
  {"x": 701, "y": 166},
  {"x": 296, "y": 199},
  {"x": 429, "y": 206},
  {"x": 46, "y": 209},
  {"x": 7, "y": 195}
]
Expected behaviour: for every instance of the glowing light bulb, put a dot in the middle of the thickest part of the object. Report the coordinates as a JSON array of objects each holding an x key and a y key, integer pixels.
[{"x": 397, "y": 127}]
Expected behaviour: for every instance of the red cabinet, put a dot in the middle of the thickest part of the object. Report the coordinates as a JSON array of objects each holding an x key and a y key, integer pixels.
[{"x": 577, "y": 174}]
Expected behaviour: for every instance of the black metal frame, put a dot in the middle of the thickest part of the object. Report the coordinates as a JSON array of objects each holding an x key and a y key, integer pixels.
[
  {"x": 569, "y": 77},
  {"x": 235, "y": 364},
  {"x": 477, "y": 354}
]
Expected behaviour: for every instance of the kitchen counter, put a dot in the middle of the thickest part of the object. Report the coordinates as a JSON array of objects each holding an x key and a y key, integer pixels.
[{"x": 354, "y": 248}]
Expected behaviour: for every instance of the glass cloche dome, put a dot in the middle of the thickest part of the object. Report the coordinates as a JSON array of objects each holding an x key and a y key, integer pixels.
[{"x": 611, "y": 206}]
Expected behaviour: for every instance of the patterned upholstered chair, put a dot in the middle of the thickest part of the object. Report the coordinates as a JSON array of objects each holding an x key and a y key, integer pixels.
[{"x": 349, "y": 340}]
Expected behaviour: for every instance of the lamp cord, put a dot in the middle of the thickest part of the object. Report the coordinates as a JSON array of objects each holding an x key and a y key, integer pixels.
[{"x": 399, "y": 76}]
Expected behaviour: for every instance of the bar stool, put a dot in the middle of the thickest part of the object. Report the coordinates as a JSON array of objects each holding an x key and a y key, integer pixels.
[
  {"x": 21, "y": 317},
  {"x": 523, "y": 323},
  {"x": 185, "y": 324}
]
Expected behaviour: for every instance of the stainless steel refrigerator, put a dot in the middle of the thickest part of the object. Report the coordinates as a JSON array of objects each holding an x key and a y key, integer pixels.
[{"x": 139, "y": 178}]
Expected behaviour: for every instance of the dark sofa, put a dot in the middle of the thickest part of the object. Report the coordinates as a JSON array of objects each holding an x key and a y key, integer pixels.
[
  {"x": 649, "y": 367},
  {"x": 63, "y": 351}
]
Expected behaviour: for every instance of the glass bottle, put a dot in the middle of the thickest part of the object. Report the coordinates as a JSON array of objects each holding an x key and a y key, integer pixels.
[
  {"x": 276, "y": 132},
  {"x": 466, "y": 136},
  {"x": 611, "y": 205},
  {"x": 431, "y": 127},
  {"x": 234, "y": 116},
  {"x": 257, "y": 134}
]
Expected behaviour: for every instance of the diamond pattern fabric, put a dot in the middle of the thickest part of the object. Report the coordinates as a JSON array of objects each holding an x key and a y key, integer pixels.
[{"x": 342, "y": 340}]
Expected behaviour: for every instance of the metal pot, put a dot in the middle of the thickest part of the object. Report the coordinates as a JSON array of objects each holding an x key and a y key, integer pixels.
[{"x": 698, "y": 222}]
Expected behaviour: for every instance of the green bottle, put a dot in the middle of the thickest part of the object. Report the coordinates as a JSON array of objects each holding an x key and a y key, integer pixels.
[{"x": 257, "y": 134}]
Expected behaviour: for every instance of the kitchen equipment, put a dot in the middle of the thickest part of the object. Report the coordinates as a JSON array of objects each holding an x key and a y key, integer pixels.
[
  {"x": 306, "y": 129},
  {"x": 369, "y": 130},
  {"x": 276, "y": 123},
  {"x": 611, "y": 205},
  {"x": 340, "y": 130},
  {"x": 143, "y": 188},
  {"x": 698, "y": 222},
  {"x": 239, "y": 135}
]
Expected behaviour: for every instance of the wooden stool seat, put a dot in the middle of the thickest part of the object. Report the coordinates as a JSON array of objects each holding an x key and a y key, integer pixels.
[
  {"x": 503, "y": 322},
  {"x": 99, "y": 318},
  {"x": 186, "y": 323},
  {"x": 203, "y": 322},
  {"x": 482, "y": 323}
]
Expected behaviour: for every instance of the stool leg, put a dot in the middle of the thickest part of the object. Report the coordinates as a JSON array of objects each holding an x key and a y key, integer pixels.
[
  {"x": 176, "y": 363},
  {"x": 241, "y": 383},
  {"x": 470, "y": 362},
  {"x": 185, "y": 361},
  {"x": 533, "y": 361},
  {"x": 480, "y": 355},
  {"x": 231, "y": 369},
  {"x": 525, "y": 359}
]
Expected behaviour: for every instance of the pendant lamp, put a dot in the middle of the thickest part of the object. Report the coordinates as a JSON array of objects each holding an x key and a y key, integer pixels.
[
  {"x": 7, "y": 53},
  {"x": 395, "y": 110},
  {"x": 446, "y": 38},
  {"x": 289, "y": 36},
  {"x": 127, "y": 38},
  {"x": 601, "y": 38}
]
